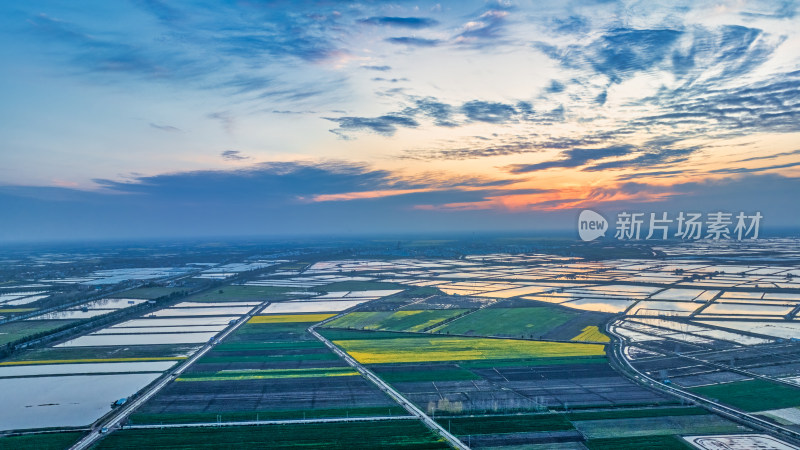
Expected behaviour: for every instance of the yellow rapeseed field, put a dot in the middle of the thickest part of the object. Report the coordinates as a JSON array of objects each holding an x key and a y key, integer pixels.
[
  {"x": 592, "y": 334},
  {"x": 407, "y": 312},
  {"x": 290, "y": 318},
  {"x": 402, "y": 350}
]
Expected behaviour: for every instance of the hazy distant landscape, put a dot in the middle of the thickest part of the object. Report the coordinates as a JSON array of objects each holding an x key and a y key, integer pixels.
[
  {"x": 490, "y": 343},
  {"x": 488, "y": 224}
]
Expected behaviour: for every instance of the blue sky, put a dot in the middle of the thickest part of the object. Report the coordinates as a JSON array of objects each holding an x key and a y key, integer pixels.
[{"x": 148, "y": 118}]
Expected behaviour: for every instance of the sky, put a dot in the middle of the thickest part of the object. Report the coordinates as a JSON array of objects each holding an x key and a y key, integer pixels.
[{"x": 148, "y": 118}]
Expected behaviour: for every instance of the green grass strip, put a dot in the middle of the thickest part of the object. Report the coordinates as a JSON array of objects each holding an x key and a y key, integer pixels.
[
  {"x": 428, "y": 374},
  {"x": 526, "y": 362},
  {"x": 636, "y": 413},
  {"x": 639, "y": 443},
  {"x": 387, "y": 435},
  {"x": 268, "y": 358},
  {"x": 233, "y": 375},
  {"x": 246, "y": 416},
  {"x": 505, "y": 424},
  {"x": 44, "y": 441},
  {"x": 752, "y": 395}
]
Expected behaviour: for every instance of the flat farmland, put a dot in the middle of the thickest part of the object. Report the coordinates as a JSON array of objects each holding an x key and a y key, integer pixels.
[
  {"x": 143, "y": 418},
  {"x": 133, "y": 352},
  {"x": 269, "y": 374},
  {"x": 74, "y": 382},
  {"x": 147, "y": 293},
  {"x": 529, "y": 322},
  {"x": 389, "y": 434},
  {"x": 506, "y": 424},
  {"x": 591, "y": 334},
  {"x": 637, "y": 443},
  {"x": 268, "y": 395},
  {"x": 510, "y": 387},
  {"x": 405, "y": 320},
  {"x": 452, "y": 375},
  {"x": 442, "y": 348},
  {"x": 651, "y": 426},
  {"x": 12, "y": 331},
  {"x": 404, "y": 373},
  {"x": 572, "y": 385},
  {"x": 48, "y": 441},
  {"x": 273, "y": 332},
  {"x": 334, "y": 334},
  {"x": 656, "y": 424},
  {"x": 270, "y": 367},
  {"x": 752, "y": 395},
  {"x": 290, "y": 318},
  {"x": 359, "y": 286},
  {"x": 233, "y": 293}
]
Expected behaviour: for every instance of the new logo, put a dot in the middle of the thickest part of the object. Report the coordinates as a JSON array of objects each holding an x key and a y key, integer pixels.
[{"x": 591, "y": 225}]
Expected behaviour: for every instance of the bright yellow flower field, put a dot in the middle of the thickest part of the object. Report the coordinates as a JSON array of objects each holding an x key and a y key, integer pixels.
[
  {"x": 592, "y": 334},
  {"x": 290, "y": 318},
  {"x": 402, "y": 350}
]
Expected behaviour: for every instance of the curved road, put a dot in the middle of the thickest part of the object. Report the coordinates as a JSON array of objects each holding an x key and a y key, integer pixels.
[{"x": 617, "y": 358}]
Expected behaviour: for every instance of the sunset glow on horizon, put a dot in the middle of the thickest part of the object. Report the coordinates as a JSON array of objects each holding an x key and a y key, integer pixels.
[{"x": 274, "y": 117}]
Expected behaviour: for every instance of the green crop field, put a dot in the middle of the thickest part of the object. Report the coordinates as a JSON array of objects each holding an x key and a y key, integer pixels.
[
  {"x": 405, "y": 320},
  {"x": 635, "y": 413},
  {"x": 232, "y": 293},
  {"x": 244, "y": 416},
  {"x": 266, "y": 332},
  {"x": 528, "y": 362},
  {"x": 266, "y": 358},
  {"x": 45, "y": 441},
  {"x": 639, "y": 443},
  {"x": 441, "y": 348},
  {"x": 505, "y": 424},
  {"x": 148, "y": 293},
  {"x": 255, "y": 346},
  {"x": 339, "y": 334},
  {"x": 509, "y": 322},
  {"x": 12, "y": 331},
  {"x": 752, "y": 395},
  {"x": 430, "y": 373},
  {"x": 390, "y": 434},
  {"x": 267, "y": 342},
  {"x": 652, "y": 426},
  {"x": 234, "y": 375}
]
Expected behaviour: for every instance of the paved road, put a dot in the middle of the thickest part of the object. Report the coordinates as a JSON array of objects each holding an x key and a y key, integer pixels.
[
  {"x": 382, "y": 385},
  {"x": 617, "y": 358},
  {"x": 118, "y": 416}
]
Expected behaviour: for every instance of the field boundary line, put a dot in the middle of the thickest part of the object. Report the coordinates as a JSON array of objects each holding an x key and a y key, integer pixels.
[
  {"x": 268, "y": 422},
  {"x": 396, "y": 396}
]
